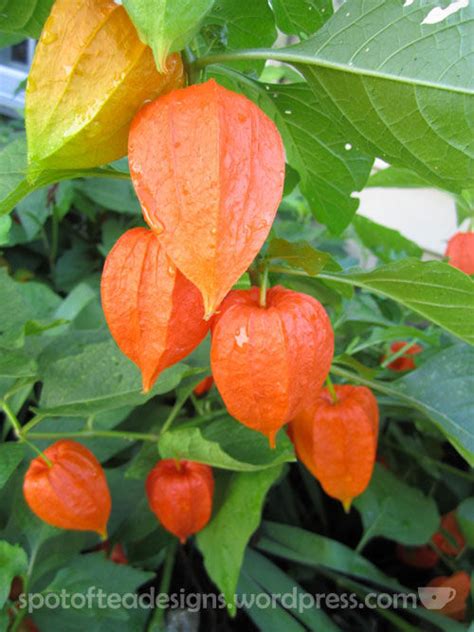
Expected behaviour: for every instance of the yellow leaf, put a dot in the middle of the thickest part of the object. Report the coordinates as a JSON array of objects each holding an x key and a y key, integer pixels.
[{"x": 90, "y": 75}]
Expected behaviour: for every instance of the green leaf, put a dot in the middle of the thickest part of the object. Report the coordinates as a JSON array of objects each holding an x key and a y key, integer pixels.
[
  {"x": 98, "y": 378},
  {"x": 166, "y": 25},
  {"x": 390, "y": 508},
  {"x": 274, "y": 618},
  {"x": 25, "y": 16},
  {"x": 398, "y": 178},
  {"x": 116, "y": 195},
  {"x": 311, "y": 549},
  {"x": 432, "y": 289},
  {"x": 14, "y": 185},
  {"x": 443, "y": 389},
  {"x": 301, "y": 17},
  {"x": 223, "y": 541},
  {"x": 465, "y": 206},
  {"x": 13, "y": 562},
  {"x": 301, "y": 255},
  {"x": 243, "y": 24},
  {"x": 5, "y": 225},
  {"x": 11, "y": 455},
  {"x": 17, "y": 364},
  {"x": 401, "y": 86},
  {"x": 227, "y": 444},
  {"x": 330, "y": 169},
  {"x": 465, "y": 518},
  {"x": 387, "y": 244},
  {"x": 275, "y": 582},
  {"x": 94, "y": 571},
  {"x": 30, "y": 307}
]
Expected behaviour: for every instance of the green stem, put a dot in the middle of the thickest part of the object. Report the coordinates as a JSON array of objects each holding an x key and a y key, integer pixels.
[
  {"x": 263, "y": 287},
  {"x": 156, "y": 623},
  {"x": 189, "y": 59},
  {"x": 90, "y": 434},
  {"x": 18, "y": 430},
  {"x": 331, "y": 389},
  {"x": 254, "y": 275},
  {"x": 180, "y": 401},
  {"x": 10, "y": 415},
  {"x": 32, "y": 423}
]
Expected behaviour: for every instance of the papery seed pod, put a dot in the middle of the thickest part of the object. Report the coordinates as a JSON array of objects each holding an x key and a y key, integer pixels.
[
  {"x": 269, "y": 362},
  {"x": 90, "y": 75},
  {"x": 180, "y": 495},
  {"x": 451, "y": 601},
  {"x": 208, "y": 167},
  {"x": 417, "y": 556},
  {"x": 337, "y": 441},
  {"x": 460, "y": 251},
  {"x": 72, "y": 492},
  {"x": 449, "y": 539},
  {"x": 405, "y": 362},
  {"x": 204, "y": 386},
  {"x": 154, "y": 313}
]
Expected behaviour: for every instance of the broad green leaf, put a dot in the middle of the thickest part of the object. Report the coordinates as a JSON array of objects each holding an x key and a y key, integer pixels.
[
  {"x": 17, "y": 364},
  {"x": 166, "y": 26},
  {"x": 14, "y": 185},
  {"x": 116, "y": 195},
  {"x": 29, "y": 309},
  {"x": 98, "y": 378},
  {"x": 443, "y": 389},
  {"x": 223, "y": 541},
  {"x": 301, "y": 17},
  {"x": 13, "y": 562},
  {"x": 94, "y": 570},
  {"x": 242, "y": 24},
  {"x": 400, "y": 84},
  {"x": 275, "y": 582},
  {"x": 432, "y": 289},
  {"x": 465, "y": 518},
  {"x": 5, "y": 225},
  {"x": 330, "y": 169},
  {"x": 11, "y": 455},
  {"x": 397, "y": 177},
  {"x": 226, "y": 444},
  {"x": 274, "y": 618},
  {"x": 390, "y": 508},
  {"x": 465, "y": 206},
  {"x": 25, "y": 17},
  {"x": 311, "y": 549},
  {"x": 387, "y": 244},
  {"x": 302, "y": 255},
  {"x": 7, "y": 40}
]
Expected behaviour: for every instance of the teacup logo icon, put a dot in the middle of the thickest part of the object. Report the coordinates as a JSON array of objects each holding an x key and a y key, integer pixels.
[{"x": 435, "y": 598}]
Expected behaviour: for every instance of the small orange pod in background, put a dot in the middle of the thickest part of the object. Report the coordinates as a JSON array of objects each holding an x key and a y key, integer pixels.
[
  {"x": 458, "y": 586},
  {"x": 405, "y": 362},
  {"x": 72, "y": 492},
  {"x": 449, "y": 539},
  {"x": 154, "y": 313},
  {"x": 337, "y": 440},
  {"x": 269, "y": 362},
  {"x": 180, "y": 494},
  {"x": 204, "y": 386},
  {"x": 460, "y": 252}
]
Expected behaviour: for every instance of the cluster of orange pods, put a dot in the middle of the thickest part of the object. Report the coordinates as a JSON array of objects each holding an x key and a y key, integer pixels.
[{"x": 67, "y": 488}]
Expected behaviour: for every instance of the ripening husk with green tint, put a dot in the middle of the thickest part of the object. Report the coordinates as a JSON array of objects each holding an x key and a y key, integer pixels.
[{"x": 90, "y": 75}]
